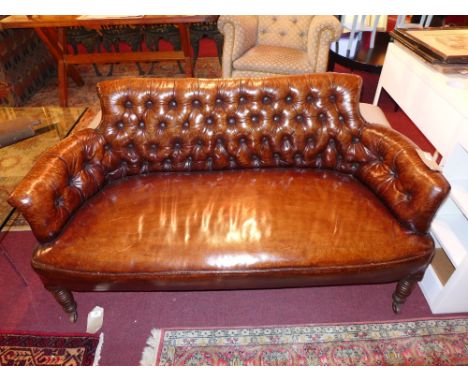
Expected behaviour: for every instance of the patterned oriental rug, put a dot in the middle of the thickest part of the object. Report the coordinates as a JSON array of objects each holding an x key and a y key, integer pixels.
[
  {"x": 422, "y": 342},
  {"x": 28, "y": 349},
  {"x": 86, "y": 95}
]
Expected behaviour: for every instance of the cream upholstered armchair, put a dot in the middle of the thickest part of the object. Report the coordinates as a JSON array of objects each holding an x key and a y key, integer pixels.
[
  {"x": 257, "y": 46},
  {"x": 268, "y": 45}
]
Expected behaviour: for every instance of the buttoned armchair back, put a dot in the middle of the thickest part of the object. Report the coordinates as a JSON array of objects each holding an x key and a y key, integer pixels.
[{"x": 256, "y": 46}]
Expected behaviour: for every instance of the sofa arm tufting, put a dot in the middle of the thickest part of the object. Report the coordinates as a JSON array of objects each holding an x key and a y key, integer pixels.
[
  {"x": 63, "y": 178},
  {"x": 398, "y": 175}
]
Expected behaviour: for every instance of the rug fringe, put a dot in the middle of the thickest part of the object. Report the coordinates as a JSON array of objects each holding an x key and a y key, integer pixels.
[
  {"x": 97, "y": 355},
  {"x": 150, "y": 352}
]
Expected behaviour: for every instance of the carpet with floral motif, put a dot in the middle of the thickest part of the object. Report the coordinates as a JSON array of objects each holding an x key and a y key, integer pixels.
[{"x": 421, "y": 342}]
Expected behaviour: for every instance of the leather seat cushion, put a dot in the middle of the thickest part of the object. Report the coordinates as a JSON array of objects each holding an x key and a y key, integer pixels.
[
  {"x": 274, "y": 59},
  {"x": 248, "y": 220}
]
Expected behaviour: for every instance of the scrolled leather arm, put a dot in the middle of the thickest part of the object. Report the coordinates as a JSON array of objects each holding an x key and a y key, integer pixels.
[
  {"x": 398, "y": 175},
  {"x": 59, "y": 182},
  {"x": 240, "y": 34}
]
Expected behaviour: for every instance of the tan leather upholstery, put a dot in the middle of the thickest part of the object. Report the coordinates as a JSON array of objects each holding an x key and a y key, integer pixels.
[
  {"x": 231, "y": 221},
  {"x": 273, "y": 45},
  {"x": 192, "y": 124},
  {"x": 202, "y": 184}
]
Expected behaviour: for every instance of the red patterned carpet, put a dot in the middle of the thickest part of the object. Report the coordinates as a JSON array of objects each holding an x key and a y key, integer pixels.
[
  {"x": 402, "y": 343},
  {"x": 28, "y": 349},
  {"x": 86, "y": 95}
]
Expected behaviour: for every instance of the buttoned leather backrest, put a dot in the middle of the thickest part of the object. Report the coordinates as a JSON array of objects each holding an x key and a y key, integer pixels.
[
  {"x": 284, "y": 31},
  {"x": 304, "y": 121},
  {"x": 192, "y": 124}
]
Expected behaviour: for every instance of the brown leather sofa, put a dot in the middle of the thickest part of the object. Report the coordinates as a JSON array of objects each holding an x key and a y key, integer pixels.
[{"x": 191, "y": 184}]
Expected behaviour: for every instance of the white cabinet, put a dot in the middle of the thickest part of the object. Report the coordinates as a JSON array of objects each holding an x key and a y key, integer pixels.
[
  {"x": 437, "y": 103},
  {"x": 450, "y": 230}
]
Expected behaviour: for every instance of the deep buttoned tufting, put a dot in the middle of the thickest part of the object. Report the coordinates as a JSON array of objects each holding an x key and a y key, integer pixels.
[
  {"x": 306, "y": 121},
  {"x": 262, "y": 182}
]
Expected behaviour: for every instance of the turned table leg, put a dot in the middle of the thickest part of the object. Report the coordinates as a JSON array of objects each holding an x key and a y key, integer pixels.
[{"x": 65, "y": 299}]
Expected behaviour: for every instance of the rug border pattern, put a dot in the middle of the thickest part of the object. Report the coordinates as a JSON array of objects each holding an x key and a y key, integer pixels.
[
  {"x": 169, "y": 339},
  {"x": 92, "y": 343}
]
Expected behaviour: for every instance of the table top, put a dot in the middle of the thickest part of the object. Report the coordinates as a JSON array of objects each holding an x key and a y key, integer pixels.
[
  {"x": 361, "y": 56},
  {"x": 16, "y": 160},
  {"x": 38, "y": 21}
]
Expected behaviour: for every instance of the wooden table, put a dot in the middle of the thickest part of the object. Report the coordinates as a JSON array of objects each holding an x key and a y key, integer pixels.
[
  {"x": 52, "y": 31},
  {"x": 361, "y": 56}
]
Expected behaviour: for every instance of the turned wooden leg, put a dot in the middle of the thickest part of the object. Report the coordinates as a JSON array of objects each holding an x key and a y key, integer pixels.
[
  {"x": 66, "y": 300},
  {"x": 404, "y": 289}
]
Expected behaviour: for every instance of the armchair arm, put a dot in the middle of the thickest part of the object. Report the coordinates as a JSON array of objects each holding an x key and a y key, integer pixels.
[
  {"x": 323, "y": 30},
  {"x": 398, "y": 175},
  {"x": 59, "y": 182},
  {"x": 240, "y": 34}
]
